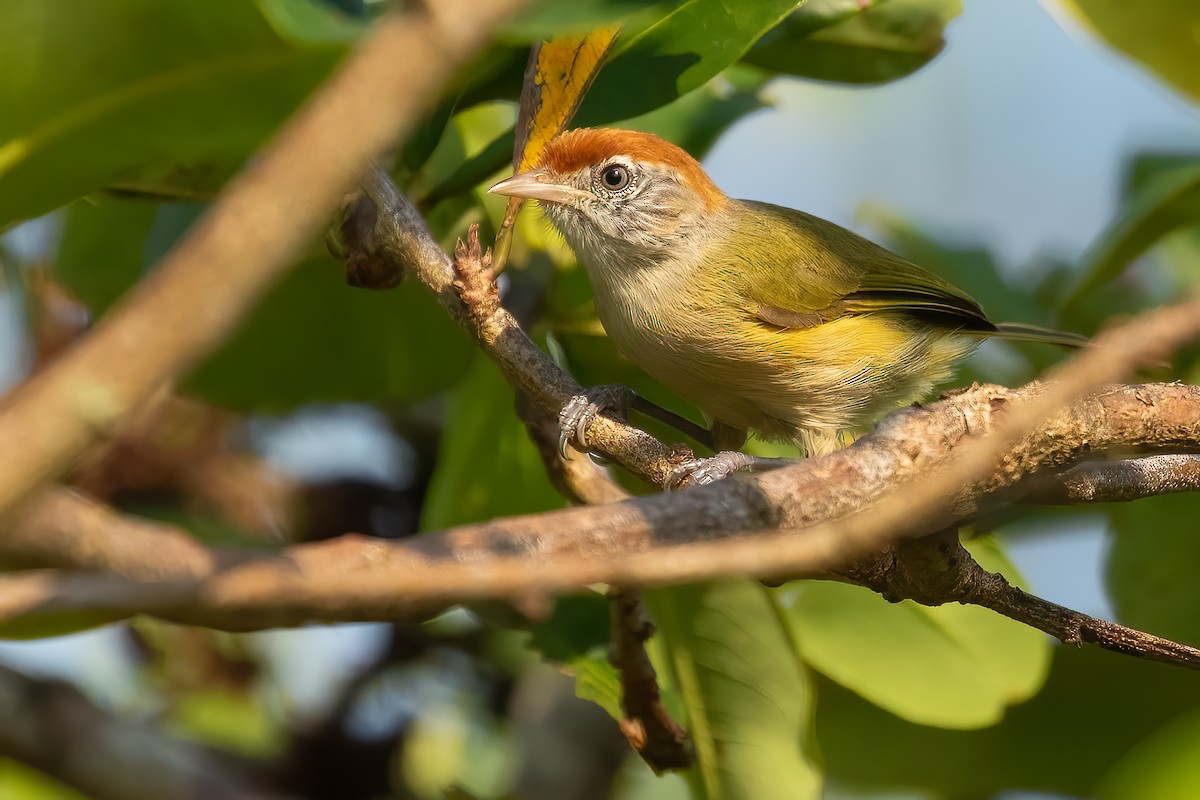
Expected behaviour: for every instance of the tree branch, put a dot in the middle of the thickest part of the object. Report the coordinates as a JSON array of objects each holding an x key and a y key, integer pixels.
[
  {"x": 660, "y": 539},
  {"x": 261, "y": 222},
  {"x": 659, "y": 740},
  {"x": 1114, "y": 481},
  {"x": 824, "y": 513},
  {"x": 51, "y": 726}
]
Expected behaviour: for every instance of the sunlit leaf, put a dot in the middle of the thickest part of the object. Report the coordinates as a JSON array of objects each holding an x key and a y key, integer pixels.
[
  {"x": 559, "y": 75},
  {"x": 165, "y": 97},
  {"x": 1094, "y": 707},
  {"x": 953, "y": 666},
  {"x": 1161, "y": 34},
  {"x": 674, "y": 56},
  {"x": 1164, "y": 766},
  {"x": 680, "y": 53},
  {"x": 748, "y": 699}
]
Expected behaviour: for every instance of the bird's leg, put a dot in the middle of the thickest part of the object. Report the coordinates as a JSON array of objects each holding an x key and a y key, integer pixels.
[
  {"x": 698, "y": 433},
  {"x": 577, "y": 415},
  {"x": 701, "y": 471},
  {"x": 580, "y": 410}
]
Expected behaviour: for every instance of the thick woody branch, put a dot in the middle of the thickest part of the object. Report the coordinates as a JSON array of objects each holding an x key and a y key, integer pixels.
[
  {"x": 51, "y": 726},
  {"x": 261, "y": 222},
  {"x": 691, "y": 535},
  {"x": 815, "y": 508}
]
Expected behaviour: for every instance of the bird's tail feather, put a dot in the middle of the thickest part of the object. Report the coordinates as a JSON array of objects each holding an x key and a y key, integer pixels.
[{"x": 1034, "y": 333}]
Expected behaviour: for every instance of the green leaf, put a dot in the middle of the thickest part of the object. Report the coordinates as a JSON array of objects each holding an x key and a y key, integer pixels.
[
  {"x": 1161, "y": 34},
  {"x": 696, "y": 120},
  {"x": 596, "y": 680},
  {"x": 1094, "y": 708},
  {"x": 102, "y": 250},
  {"x": 486, "y": 467},
  {"x": 48, "y": 624},
  {"x": 545, "y": 18},
  {"x": 854, "y": 42},
  {"x": 1165, "y": 766},
  {"x": 1150, "y": 566},
  {"x": 167, "y": 97},
  {"x": 952, "y": 666},
  {"x": 20, "y": 782},
  {"x": 676, "y": 55},
  {"x": 1162, "y": 203},
  {"x": 748, "y": 699},
  {"x": 314, "y": 339},
  {"x": 578, "y": 626},
  {"x": 679, "y": 53}
]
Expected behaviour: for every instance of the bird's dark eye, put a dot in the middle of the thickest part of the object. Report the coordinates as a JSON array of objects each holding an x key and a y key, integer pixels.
[{"x": 615, "y": 177}]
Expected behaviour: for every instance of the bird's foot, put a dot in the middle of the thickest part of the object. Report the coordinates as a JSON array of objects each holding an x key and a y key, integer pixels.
[
  {"x": 702, "y": 471},
  {"x": 578, "y": 414}
]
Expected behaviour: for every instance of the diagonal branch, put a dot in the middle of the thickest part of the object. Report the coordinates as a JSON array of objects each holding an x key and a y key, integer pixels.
[{"x": 261, "y": 222}]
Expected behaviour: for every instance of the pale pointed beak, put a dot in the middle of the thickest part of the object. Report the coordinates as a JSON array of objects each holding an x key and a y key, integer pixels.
[{"x": 534, "y": 185}]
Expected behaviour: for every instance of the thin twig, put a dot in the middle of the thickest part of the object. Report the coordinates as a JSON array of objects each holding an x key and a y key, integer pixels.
[
  {"x": 200, "y": 291},
  {"x": 1114, "y": 481},
  {"x": 659, "y": 740}
]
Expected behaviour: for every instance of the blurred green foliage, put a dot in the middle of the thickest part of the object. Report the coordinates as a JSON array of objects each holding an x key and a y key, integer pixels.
[{"x": 116, "y": 112}]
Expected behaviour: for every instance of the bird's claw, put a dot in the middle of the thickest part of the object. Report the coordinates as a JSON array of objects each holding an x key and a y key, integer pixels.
[
  {"x": 703, "y": 471},
  {"x": 582, "y": 409}
]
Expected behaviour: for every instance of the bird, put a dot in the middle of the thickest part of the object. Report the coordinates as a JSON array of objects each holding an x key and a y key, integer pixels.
[{"x": 765, "y": 318}]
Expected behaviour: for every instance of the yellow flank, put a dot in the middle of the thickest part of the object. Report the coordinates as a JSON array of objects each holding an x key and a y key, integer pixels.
[{"x": 566, "y": 67}]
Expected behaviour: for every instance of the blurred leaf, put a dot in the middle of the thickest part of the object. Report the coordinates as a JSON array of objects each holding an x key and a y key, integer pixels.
[
  {"x": 48, "y": 624},
  {"x": 953, "y": 666},
  {"x": 851, "y": 41},
  {"x": 546, "y": 18},
  {"x": 102, "y": 249},
  {"x": 1166, "y": 201},
  {"x": 311, "y": 23},
  {"x": 97, "y": 92},
  {"x": 20, "y": 782},
  {"x": 578, "y": 625},
  {"x": 313, "y": 339},
  {"x": 1151, "y": 566},
  {"x": 232, "y": 720},
  {"x": 670, "y": 58},
  {"x": 678, "y": 54},
  {"x": 486, "y": 466},
  {"x": 1094, "y": 707},
  {"x": 1159, "y": 33},
  {"x": 596, "y": 679},
  {"x": 748, "y": 699},
  {"x": 1164, "y": 766}
]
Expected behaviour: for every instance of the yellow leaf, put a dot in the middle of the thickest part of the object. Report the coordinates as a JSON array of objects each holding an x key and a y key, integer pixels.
[{"x": 558, "y": 76}]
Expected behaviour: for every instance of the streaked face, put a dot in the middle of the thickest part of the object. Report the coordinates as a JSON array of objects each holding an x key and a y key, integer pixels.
[{"x": 616, "y": 195}]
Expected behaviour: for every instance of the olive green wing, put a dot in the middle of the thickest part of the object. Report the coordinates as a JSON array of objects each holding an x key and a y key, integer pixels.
[{"x": 835, "y": 273}]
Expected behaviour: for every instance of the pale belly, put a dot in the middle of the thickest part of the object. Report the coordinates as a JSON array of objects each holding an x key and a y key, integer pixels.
[{"x": 803, "y": 385}]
